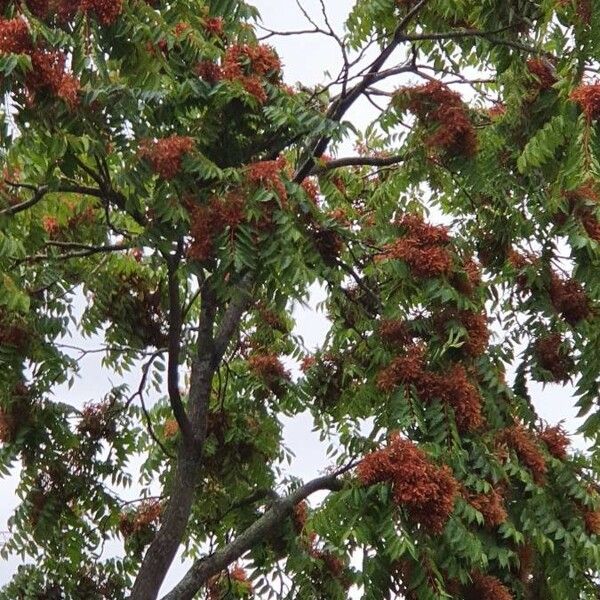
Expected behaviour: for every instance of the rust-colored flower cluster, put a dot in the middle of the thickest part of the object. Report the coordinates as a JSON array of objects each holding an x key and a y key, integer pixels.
[
  {"x": 14, "y": 417},
  {"x": 311, "y": 189},
  {"x": 528, "y": 452},
  {"x": 478, "y": 334},
  {"x": 252, "y": 66},
  {"x": 208, "y": 221},
  {"x": 434, "y": 103},
  {"x": 48, "y": 73},
  {"x": 486, "y": 587},
  {"x": 553, "y": 356},
  {"x": 209, "y": 71},
  {"x": 582, "y": 203},
  {"x": 239, "y": 575},
  {"x": 165, "y": 154},
  {"x": 268, "y": 175},
  {"x": 587, "y": 96},
  {"x": 219, "y": 586},
  {"x": 451, "y": 387},
  {"x": 146, "y": 515},
  {"x": 300, "y": 516},
  {"x": 455, "y": 389},
  {"x": 332, "y": 563},
  {"x": 591, "y": 519},
  {"x": 469, "y": 279},
  {"x": 519, "y": 262},
  {"x": 269, "y": 369},
  {"x": 13, "y": 332},
  {"x": 491, "y": 506},
  {"x": 106, "y": 11},
  {"x": 170, "y": 428},
  {"x": 556, "y": 441},
  {"x": 427, "y": 491},
  {"x": 394, "y": 333},
  {"x": 526, "y": 554},
  {"x": 424, "y": 247},
  {"x": 14, "y": 36},
  {"x": 569, "y": 299},
  {"x": 98, "y": 420},
  {"x": 476, "y": 326},
  {"x": 543, "y": 72},
  {"x": 213, "y": 26},
  {"x": 327, "y": 241},
  {"x": 408, "y": 369}
]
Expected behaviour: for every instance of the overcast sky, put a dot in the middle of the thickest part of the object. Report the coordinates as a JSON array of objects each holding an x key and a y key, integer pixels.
[{"x": 305, "y": 59}]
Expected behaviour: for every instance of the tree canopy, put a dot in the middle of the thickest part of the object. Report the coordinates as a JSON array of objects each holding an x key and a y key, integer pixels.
[{"x": 164, "y": 189}]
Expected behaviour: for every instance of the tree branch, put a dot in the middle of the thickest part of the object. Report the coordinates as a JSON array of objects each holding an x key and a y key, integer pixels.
[
  {"x": 339, "y": 108},
  {"x": 358, "y": 161},
  {"x": 231, "y": 318},
  {"x": 202, "y": 570},
  {"x": 174, "y": 345}
]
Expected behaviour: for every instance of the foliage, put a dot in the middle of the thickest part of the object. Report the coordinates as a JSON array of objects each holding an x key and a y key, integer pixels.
[{"x": 165, "y": 191}]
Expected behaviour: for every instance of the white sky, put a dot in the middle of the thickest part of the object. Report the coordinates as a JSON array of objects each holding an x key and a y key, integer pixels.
[{"x": 305, "y": 58}]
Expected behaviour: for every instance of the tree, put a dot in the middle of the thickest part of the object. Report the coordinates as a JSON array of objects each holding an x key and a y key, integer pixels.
[{"x": 163, "y": 188}]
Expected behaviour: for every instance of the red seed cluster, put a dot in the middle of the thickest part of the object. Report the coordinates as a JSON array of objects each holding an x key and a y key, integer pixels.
[
  {"x": 209, "y": 71},
  {"x": 213, "y": 26},
  {"x": 491, "y": 506},
  {"x": 48, "y": 74},
  {"x": 569, "y": 299},
  {"x": 435, "y": 103},
  {"x": 307, "y": 363},
  {"x": 553, "y": 356},
  {"x": 147, "y": 514},
  {"x": 165, "y": 154},
  {"x": 14, "y": 36},
  {"x": 328, "y": 242},
  {"x": 207, "y": 221},
  {"x": 251, "y": 66},
  {"x": 456, "y": 390},
  {"x": 591, "y": 518},
  {"x": 268, "y": 175},
  {"x": 486, "y": 587},
  {"x": 311, "y": 188},
  {"x": 269, "y": 369},
  {"x": 394, "y": 333},
  {"x": 300, "y": 516},
  {"x": 239, "y": 575},
  {"x": 476, "y": 326},
  {"x": 578, "y": 204},
  {"x": 12, "y": 420},
  {"x": 469, "y": 280},
  {"x": 496, "y": 111},
  {"x": 526, "y": 554},
  {"x": 13, "y": 332},
  {"x": 556, "y": 441},
  {"x": 583, "y": 9},
  {"x": 588, "y": 98},
  {"x": 519, "y": 262},
  {"x": 97, "y": 421},
  {"x": 170, "y": 428},
  {"x": 106, "y": 11},
  {"x": 427, "y": 491},
  {"x": 333, "y": 564},
  {"x": 403, "y": 370},
  {"x": 451, "y": 387},
  {"x": 523, "y": 443},
  {"x": 423, "y": 248},
  {"x": 543, "y": 72}
]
